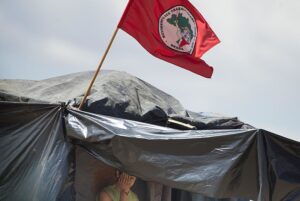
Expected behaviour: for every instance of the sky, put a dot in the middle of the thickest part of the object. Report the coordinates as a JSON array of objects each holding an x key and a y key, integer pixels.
[{"x": 256, "y": 70}]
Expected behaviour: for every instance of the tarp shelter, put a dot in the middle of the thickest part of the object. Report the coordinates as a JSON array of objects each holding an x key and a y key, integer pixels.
[{"x": 50, "y": 151}]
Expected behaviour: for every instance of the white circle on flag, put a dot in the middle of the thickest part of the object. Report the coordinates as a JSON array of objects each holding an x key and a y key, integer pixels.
[{"x": 178, "y": 29}]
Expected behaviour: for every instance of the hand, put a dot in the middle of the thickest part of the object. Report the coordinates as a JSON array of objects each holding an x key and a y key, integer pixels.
[{"x": 125, "y": 182}]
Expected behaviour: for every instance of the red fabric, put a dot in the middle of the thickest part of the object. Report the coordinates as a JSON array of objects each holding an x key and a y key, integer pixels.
[{"x": 141, "y": 21}]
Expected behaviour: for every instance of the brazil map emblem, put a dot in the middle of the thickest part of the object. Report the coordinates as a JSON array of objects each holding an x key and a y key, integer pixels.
[{"x": 178, "y": 29}]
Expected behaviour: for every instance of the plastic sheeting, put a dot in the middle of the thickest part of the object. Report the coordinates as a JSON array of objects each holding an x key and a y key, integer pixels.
[
  {"x": 241, "y": 163},
  {"x": 116, "y": 94},
  {"x": 34, "y": 159},
  {"x": 205, "y": 121},
  {"x": 37, "y": 157}
]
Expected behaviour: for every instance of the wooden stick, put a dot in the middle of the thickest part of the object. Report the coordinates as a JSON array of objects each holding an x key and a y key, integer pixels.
[
  {"x": 181, "y": 123},
  {"x": 99, "y": 67}
]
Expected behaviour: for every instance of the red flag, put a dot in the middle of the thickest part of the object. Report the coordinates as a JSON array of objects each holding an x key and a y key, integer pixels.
[{"x": 172, "y": 30}]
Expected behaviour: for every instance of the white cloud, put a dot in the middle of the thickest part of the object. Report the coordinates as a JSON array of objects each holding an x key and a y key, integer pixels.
[{"x": 67, "y": 53}]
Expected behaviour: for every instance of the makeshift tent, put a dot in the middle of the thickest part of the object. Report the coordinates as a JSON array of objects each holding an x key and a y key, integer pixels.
[{"x": 50, "y": 151}]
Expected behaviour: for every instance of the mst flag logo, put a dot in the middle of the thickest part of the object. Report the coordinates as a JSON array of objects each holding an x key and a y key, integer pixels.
[
  {"x": 178, "y": 29},
  {"x": 171, "y": 30}
]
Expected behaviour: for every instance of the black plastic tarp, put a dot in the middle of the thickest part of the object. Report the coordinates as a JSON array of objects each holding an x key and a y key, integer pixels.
[
  {"x": 246, "y": 163},
  {"x": 36, "y": 143},
  {"x": 116, "y": 94},
  {"x": 34, "y": 152}
]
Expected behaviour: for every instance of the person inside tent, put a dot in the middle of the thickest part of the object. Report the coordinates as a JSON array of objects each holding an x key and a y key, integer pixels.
[{"x": 120, "y": 190}]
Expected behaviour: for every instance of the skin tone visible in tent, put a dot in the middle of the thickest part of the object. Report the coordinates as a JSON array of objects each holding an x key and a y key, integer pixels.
[{"x": 123, "y": 185}]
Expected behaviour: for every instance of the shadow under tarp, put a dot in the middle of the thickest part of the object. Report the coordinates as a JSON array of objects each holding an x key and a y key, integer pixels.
[{"x": 93, "y": 175}]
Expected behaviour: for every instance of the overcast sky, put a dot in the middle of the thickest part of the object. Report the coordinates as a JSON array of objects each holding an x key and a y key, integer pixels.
[{"x": 256, "y": 65}]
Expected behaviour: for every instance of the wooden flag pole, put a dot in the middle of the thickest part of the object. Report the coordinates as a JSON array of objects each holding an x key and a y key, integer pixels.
[{"x": 98, "y": 69}]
